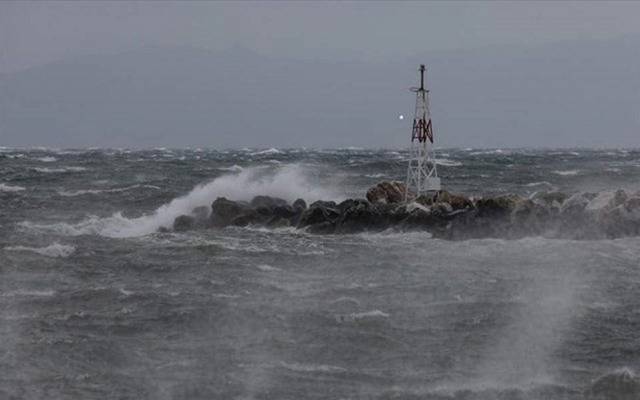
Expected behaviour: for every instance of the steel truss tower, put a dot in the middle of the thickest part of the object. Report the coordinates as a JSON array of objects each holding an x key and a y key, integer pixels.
[{"x": 422, "y": 175}]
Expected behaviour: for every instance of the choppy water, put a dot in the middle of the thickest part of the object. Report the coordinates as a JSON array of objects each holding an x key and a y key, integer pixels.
[{"x": 94, "y": 304}]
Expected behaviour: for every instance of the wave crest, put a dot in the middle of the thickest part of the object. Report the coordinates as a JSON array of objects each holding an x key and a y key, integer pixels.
[
  {"x": 55, "y": 250},
  {"x": 288, "y": 182}
]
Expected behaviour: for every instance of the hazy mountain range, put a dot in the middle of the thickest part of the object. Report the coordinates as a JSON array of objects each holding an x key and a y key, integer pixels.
[{"x": 573, "y": 94}]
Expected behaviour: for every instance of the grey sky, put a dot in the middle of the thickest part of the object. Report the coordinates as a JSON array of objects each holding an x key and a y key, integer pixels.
[
  {"x": 318, "y": 74},
  {"x": 32, "y": 33}
]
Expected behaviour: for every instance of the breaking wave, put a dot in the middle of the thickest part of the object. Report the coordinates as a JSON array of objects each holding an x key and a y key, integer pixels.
[
  {"x": 46, "y": 170},
  {"x": 98, "y": 191},
  {"x": 233, "y": 168},
  {"x": 46, "y": 159},
  {"x": 267, "y": 152},
  {"x": 288, "y": 182},
  {"x": 9, "y": 188},
  {"x": 445, "y": 162},
  {"x": 55, "y": 250},
  {"x": 571, "y": 172}
]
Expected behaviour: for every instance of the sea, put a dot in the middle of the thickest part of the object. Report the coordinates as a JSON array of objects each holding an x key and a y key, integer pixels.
[{"x": 98, "y": 302}]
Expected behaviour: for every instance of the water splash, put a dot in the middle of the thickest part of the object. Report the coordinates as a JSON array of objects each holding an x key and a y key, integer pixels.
[{"x": 288, "y": 182}]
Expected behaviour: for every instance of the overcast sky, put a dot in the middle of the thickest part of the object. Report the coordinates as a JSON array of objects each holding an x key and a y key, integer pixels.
[
  {"x": 323, "y": 74},
  {"x": 32, "y": 33}
]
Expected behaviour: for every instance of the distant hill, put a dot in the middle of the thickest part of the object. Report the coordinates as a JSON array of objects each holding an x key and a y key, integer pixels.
[{"x": 570, "y": 94}]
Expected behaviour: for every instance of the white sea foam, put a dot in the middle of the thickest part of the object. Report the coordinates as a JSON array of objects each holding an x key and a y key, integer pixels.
[
  {"x": 47, "y": 159},
  {"x": 46, "y": 170},
  {"x": 370, "y": 314},
  {"x": 299, "y": 367},
  {"x": 29, "y": 293},
  {"x": 55, "y": 250},
  {"x": 373, "y": 314},
  {"x": 448, "y": 163},
  {"x": 233, "y": 168},
  {"x": 374, "y": 175},
  {"x": 570, "y": 172},
  {"x": 288, "y": 182},
  {"x": 267, "y": 268},
  {"x": 8, "y": 188},
  {"x": 543, "y": 183},
  {"x": 98, "y": 191},
  {"x": 267, "y": 152}
]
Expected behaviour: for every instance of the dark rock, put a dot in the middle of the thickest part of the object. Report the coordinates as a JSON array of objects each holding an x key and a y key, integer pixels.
[
  {"x": 278, "y": 222},
  {"x": 323, "y": 203},
  {"x": 326, "y": 227},
  {"x": 286, "y": 212},
  {"x": 319, "y": 212},
  {"x": 442, "y": 208},
  {"x": 443, "y": 214},
  {"x": 224, "y": 211},
  {"x": 457, "y": 202},
  {"x": 426, "y": 200},
  {"x": 201, "y": 213},
  {"x": 417, "y": 217},
  {"x": 184, "y": 223},
  {"x": 299, "y": 204},
  {"x": 267, "y": 201},
  {"x": 250, "y": 217},
  {"x": 388, "y": 192},
  {"x": 499, "y": 206},
  {"x": 357, "y": 215}
]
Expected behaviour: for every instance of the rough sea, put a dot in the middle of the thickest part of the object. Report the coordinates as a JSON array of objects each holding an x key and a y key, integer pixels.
[{"x": 95, "y": 303}]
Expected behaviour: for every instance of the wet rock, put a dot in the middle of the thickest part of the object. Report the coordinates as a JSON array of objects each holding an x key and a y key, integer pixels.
[
  {"x": 299, "y": 204},
  {"x": 387, "y": 192},
  {"x": 323, "y": 203},
  {"x": 223, "y": 211},
  {"x": 267, "y": 201},
  {"x": 201, "y": 213},
  {"x": 285, "y": 212},
  {"x": 443, "y": 214},
  {"x": 442, "y": 208},
  {"x": 357, "y": 215},
  {"x": 499, "y": 206},
  {"x": 549, "y": 198},
  {"x": 326, "y": 227},
  {"x": 319, "y": 212},
  {"x": 426, "y": 200},
  {"x": 575, "y": 204},
  {"x": 184, "y": 223},
  {"x": 279, "y": 222},
  {"x": 457, "y": 202}
]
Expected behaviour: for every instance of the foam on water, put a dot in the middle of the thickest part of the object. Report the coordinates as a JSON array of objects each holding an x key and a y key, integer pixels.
[
  {"x": 267, "y": 152},
  {"x": 288, "y": 182},
  {"x": 448, "y": 163},
  {"x": 55, "y": 250},
  {"x": 46, "y": 170},
  {"x": 571, "y": 172},
  {"x": 98, "y": 191},
  {"x": 46, "y": 159},
  {"x": 8, "y": 188}
]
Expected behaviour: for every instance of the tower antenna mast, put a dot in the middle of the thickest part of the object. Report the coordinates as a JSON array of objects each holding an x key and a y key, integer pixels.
[{"x": 422, "y": 175}]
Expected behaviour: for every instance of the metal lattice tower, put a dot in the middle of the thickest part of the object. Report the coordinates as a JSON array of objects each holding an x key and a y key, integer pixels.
[{"x": 422, "y": 175}]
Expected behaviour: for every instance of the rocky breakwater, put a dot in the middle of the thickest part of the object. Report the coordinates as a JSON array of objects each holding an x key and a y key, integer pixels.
[{"x": 445, "y": 215}]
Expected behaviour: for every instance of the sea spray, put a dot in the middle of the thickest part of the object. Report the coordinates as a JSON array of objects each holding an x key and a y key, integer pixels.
[{"x": 288, "y": 182}]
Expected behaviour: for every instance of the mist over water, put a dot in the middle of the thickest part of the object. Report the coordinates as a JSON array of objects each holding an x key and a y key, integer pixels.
[{"x": 96, "y": 303}]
